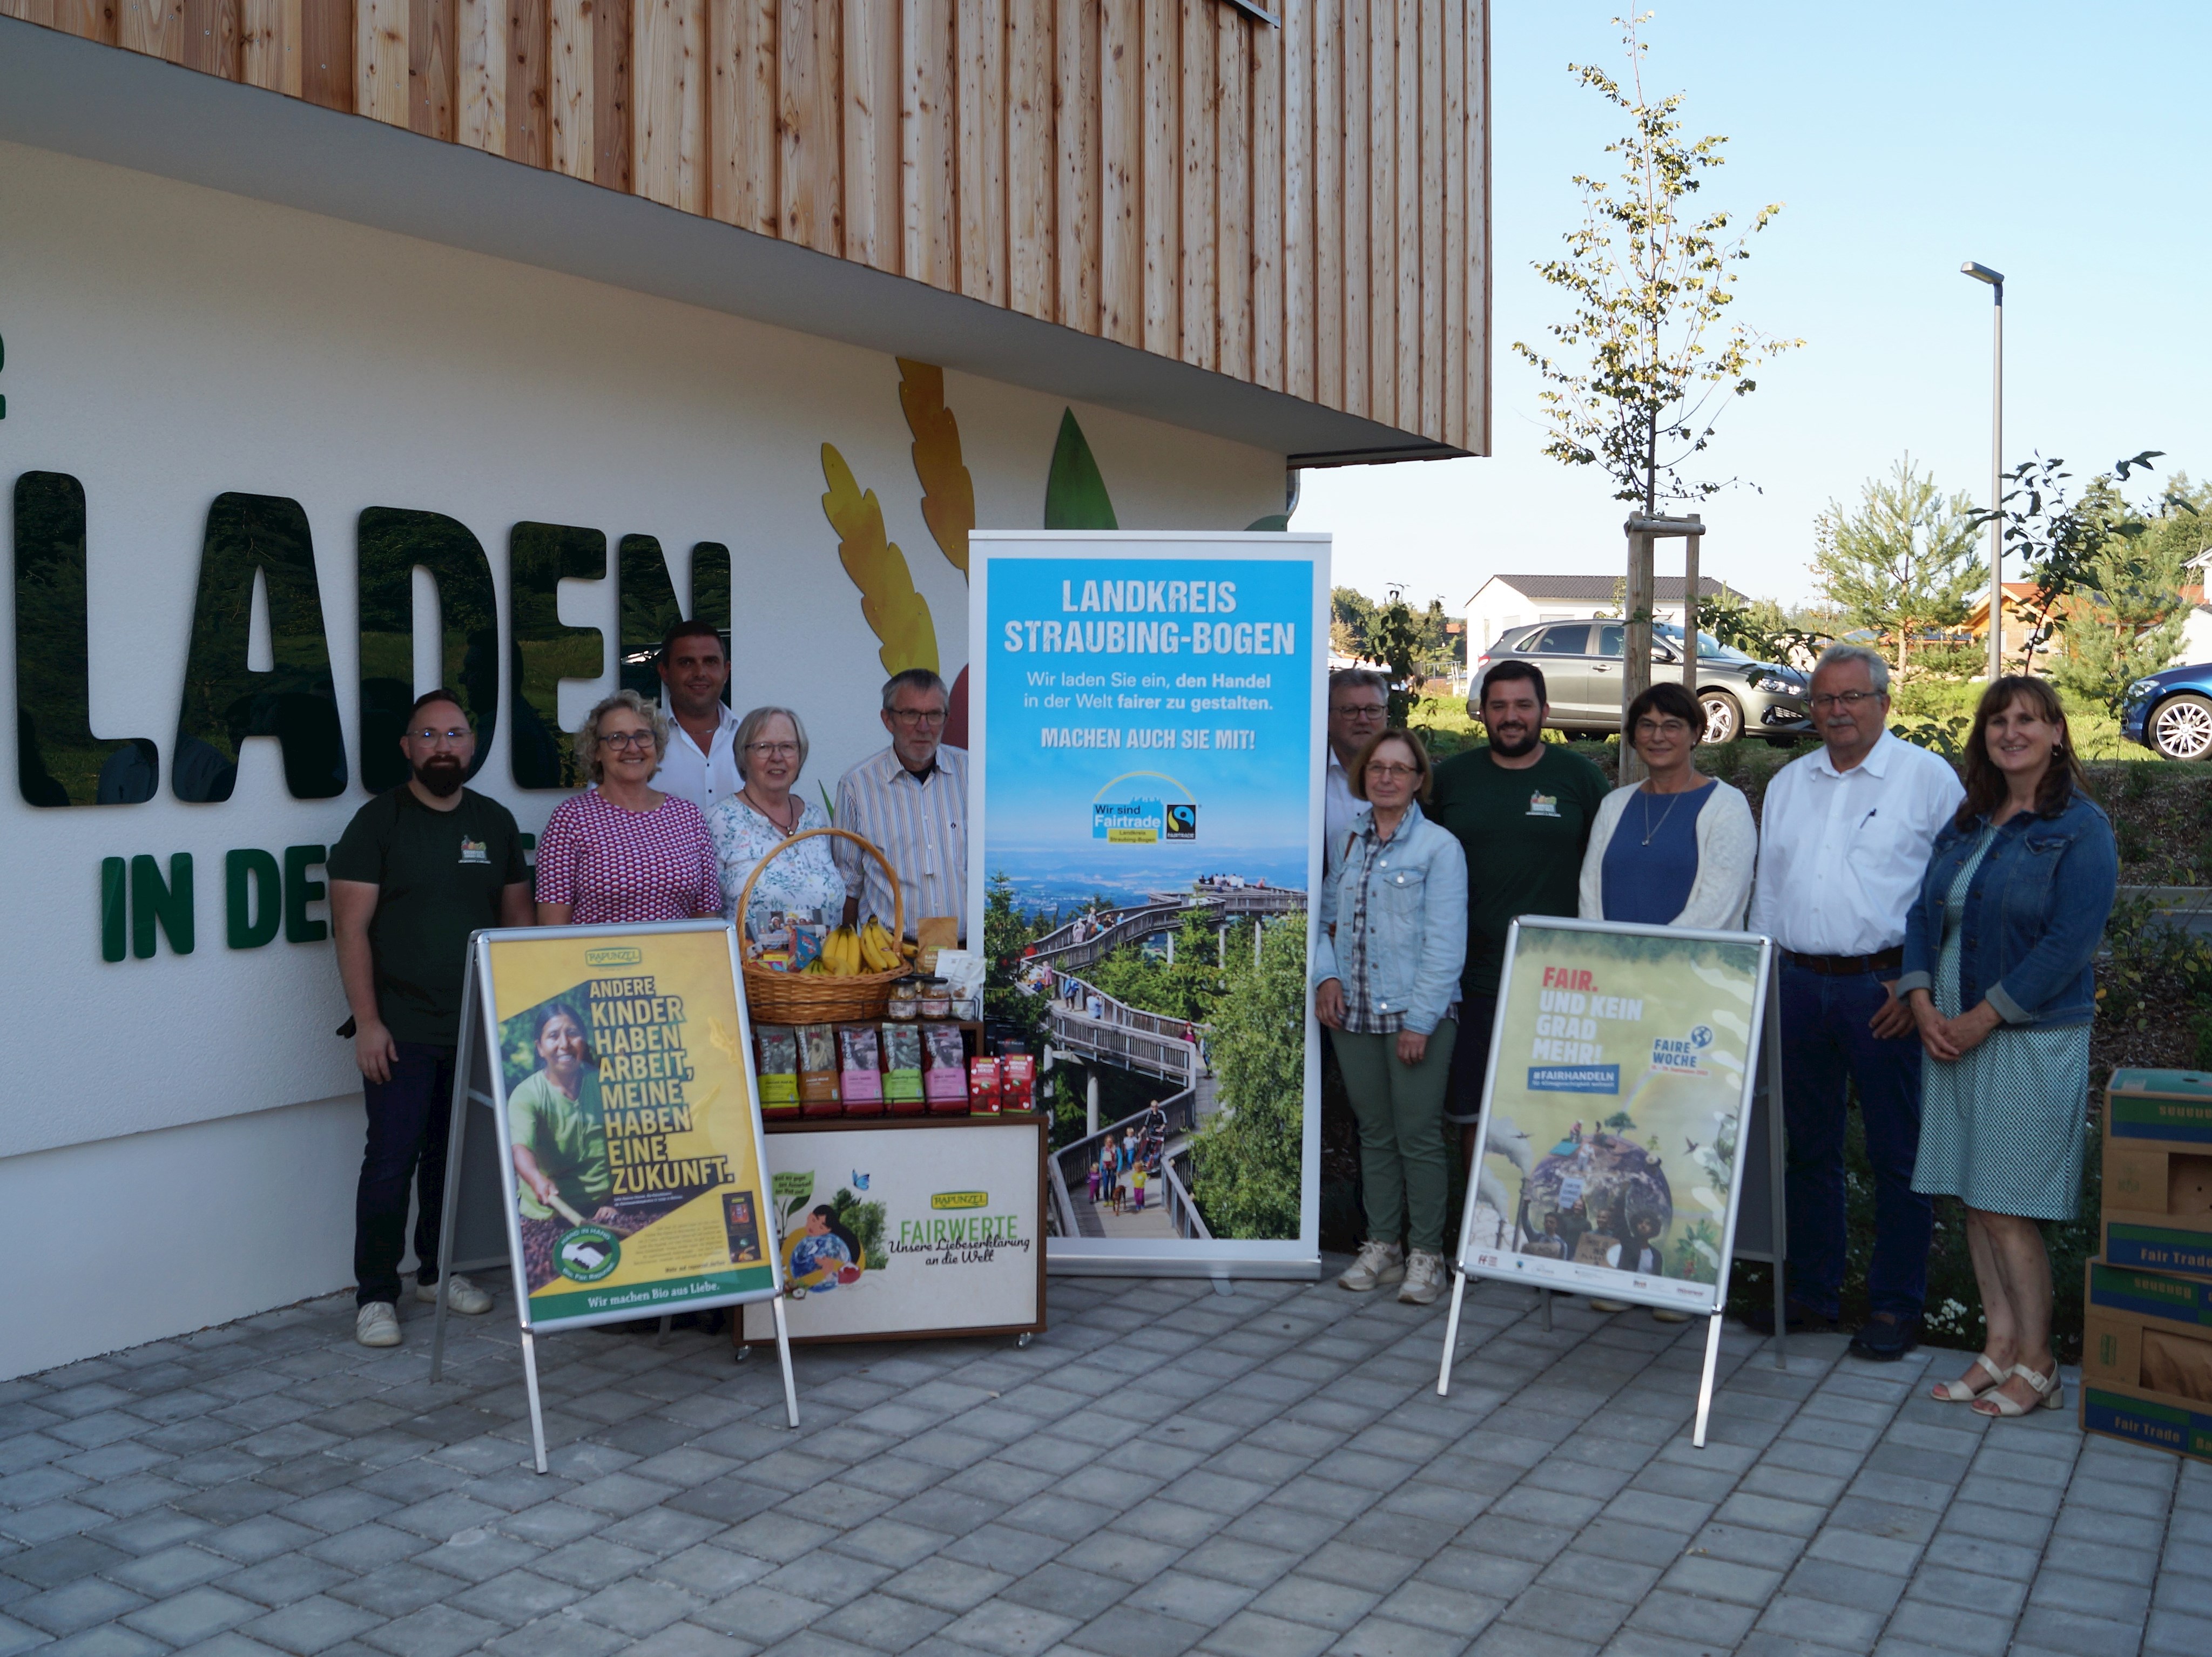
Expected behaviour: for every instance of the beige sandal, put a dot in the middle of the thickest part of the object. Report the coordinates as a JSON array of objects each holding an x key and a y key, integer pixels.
[
  {"x": 1963, "y": 1392},
  {"x": 2049, "y": 1395}
]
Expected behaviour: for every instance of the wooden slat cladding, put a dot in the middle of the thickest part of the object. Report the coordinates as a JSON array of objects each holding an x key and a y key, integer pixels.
[{"x": 1305, "y": 207}]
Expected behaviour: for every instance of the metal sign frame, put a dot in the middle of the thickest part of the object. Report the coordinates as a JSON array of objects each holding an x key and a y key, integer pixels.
[
  {"x": 478, "y": 1052},
  {"x": 1547, "y": 1275}
]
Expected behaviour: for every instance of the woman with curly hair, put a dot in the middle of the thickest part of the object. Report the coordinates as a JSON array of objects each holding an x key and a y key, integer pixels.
[{"x": 622, "y": 849}]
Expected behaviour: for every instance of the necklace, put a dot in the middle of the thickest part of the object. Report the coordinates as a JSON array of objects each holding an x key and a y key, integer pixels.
[
  {"x": 1649, "y": 827},
  {"x": 788, "y": 829}
]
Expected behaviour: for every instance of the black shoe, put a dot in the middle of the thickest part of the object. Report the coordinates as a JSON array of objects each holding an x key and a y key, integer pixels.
[
  {"x": 1886, "y": 1337},
  {"x": 1799, "y": 1319}
]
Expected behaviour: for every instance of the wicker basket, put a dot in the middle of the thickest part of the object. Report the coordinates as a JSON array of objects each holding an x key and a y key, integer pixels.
[{"x": 775, "y": 998}]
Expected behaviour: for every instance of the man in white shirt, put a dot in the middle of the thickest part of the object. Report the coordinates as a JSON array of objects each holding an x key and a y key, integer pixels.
[
  {"x": 1844, "y": 842},
  {"x": 910, "y": 801},
  {"x": 1359, "y": 705},
  {"x": 701, "y": 764}
]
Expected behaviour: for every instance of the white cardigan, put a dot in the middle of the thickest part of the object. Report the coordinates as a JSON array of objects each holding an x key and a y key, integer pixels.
[{"x": 1727, "y": 852}]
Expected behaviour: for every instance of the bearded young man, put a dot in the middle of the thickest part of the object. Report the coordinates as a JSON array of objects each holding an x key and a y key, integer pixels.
[
  {"x": 417, "y": 870},
  {"x": 1522, "y": 810}
]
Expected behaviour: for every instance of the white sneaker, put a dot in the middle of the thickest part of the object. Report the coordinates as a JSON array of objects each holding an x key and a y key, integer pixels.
[
  {"x": 1378, "y": 1266},
  {"x": 376, "y": 1324},
  {"x": 1424, "y": 1278},
  {"x": 461, "y": 1295}
]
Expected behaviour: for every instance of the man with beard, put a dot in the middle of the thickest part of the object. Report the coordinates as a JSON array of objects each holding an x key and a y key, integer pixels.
[
  {"x": 417, "y": 870},
  {"x": 1523, "y": 812}
]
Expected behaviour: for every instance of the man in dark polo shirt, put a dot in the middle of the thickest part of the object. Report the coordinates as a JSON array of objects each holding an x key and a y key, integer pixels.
[
  {"x": 1522, "y": 810},
  {"x": 417, "y": 870}
]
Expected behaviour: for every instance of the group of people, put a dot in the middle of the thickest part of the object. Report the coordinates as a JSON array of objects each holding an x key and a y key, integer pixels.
[
  {"x": 1935, "y": 935},
  {"x": 1123, "y": 1167},
  {"x": 684, "y": 800}
]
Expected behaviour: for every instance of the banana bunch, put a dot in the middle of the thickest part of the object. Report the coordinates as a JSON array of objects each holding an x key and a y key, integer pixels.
[
  {"x": 879, "y": 951},
  {"x": 850, "y": 951}
]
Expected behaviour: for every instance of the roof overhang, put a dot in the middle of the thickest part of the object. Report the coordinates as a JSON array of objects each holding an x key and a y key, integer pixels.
[{"x": 60, "y": 93}]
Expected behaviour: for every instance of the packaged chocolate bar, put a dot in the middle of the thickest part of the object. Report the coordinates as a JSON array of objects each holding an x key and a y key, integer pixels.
[
  {"x": 902, "y": 1050},
  {"x": 1018, "y": 1081},
  {"x": 860, "y": 1070},
  {"x": 818, "y": 1069},
  {"x": 982, "y": 1087},
  {"x": 944, "y": 1070},
  {"x": 775, "y": 1059}
]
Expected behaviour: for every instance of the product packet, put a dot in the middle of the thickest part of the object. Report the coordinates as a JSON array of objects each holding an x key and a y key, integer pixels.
[
  {"x": 1018, "y": 1081},
  {"x": 944, "y": 1070},
  {"x": 860, "y": 1070},
  {"x": 982, "y": 1087},
  {"x": 807, "y": 931},
  {"x": 902, "y": 1050},
  {"x": 817, "y": 1069},
  {"x": 775, "y": 1056}
]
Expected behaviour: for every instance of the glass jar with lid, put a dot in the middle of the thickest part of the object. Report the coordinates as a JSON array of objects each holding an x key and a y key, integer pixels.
[
  {"x": 935, "y": 1002},
  {"x": 906, "y": 997}
]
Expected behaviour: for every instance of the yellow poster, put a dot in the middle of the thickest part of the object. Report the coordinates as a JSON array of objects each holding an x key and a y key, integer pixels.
[{"x": 627, "y": 1108}]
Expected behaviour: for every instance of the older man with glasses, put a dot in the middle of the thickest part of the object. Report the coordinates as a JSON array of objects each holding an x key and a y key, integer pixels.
[
  {"x": 1844, "y": 842},
  {"x": 910, "y": 801},
  {"x": 1358, "y": 704}
]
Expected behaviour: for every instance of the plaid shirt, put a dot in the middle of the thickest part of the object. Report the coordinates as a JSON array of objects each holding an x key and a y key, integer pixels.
[{"x": 1360, "y": 1017}]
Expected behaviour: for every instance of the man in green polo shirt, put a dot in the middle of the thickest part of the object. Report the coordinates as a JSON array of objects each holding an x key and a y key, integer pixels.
[
  {"x": 1523, "y": 812},
  {"x": 417, "y": 870}
]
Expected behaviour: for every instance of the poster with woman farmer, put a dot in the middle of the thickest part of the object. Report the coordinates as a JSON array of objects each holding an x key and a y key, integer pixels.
[
  {"x": 1621, "y": 1068},
  {"x": 627, "y": 1105}
]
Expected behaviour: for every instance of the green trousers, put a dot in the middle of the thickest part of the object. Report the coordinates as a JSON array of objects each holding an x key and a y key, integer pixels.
[{"x": 1404, "y": 1173}]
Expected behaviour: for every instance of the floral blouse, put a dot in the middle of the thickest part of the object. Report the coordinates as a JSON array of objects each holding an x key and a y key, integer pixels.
[{"x": 803, "y": 878}]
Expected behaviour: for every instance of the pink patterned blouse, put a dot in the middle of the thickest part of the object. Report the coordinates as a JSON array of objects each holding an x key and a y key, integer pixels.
[{"x": 615, "y": 865}]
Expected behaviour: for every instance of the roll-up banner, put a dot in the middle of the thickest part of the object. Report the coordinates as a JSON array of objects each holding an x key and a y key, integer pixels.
[{"x": 1146, "y": 714}]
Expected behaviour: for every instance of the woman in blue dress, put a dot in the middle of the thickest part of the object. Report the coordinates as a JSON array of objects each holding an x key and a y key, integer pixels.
[
  {"x": 1997, "y": 971},
  {"x": 1678, "y": 848}
]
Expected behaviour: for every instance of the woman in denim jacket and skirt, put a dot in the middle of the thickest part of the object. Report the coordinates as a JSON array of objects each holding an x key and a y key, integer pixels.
[
  {"x": 1997, "y": 971},
  {"x": 1393, "y": 941}
]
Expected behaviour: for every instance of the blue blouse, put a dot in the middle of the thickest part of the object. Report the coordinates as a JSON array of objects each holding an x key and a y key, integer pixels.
[{"x": 1650, "y": 884}]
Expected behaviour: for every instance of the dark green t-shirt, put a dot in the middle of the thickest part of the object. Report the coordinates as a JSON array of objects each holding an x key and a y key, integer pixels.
[
  {"x": 1524, "y": 833},
  {"x": 438, "y": 876}
]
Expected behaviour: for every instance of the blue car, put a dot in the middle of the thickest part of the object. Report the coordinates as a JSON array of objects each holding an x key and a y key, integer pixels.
[{"x": 2170, "y": 712}]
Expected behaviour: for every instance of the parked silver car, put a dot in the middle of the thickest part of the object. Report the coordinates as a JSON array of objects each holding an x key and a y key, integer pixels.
[{"x": 1582, "y": 663}]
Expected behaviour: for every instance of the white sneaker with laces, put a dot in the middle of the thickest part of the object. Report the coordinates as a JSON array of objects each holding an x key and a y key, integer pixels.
[
  {"x": 376, "y": 1324},
  {"x": 1424, "y": 1278},
  {"x": 1378, "y": 1266},
  {"x": 461, "y": 1295}
]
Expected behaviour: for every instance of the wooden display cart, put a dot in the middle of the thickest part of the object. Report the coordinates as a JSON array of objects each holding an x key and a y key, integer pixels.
[{"x": 958, "y": 1226}]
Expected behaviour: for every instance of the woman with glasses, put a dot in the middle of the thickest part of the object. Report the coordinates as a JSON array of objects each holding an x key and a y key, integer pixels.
[
  {"x": 1674, "y": 850},
  {"x": 771, "y": 749},
  {"x": 622, "y": 851},
  {"x": 1678, "y": 848},
  {"x": 1385, "y": 978}
]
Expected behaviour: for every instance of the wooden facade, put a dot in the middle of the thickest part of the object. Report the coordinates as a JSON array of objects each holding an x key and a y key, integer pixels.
[{"x": 1304, "y": 208}]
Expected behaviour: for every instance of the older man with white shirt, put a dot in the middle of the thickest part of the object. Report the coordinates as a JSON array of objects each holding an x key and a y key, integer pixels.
[
  {"x": 1359, "y": 707},
  {"x": 1844, "y": 840}
]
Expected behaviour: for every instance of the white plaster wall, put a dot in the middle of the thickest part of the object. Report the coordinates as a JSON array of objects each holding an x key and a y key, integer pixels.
[{"x": 165, "y": 343}]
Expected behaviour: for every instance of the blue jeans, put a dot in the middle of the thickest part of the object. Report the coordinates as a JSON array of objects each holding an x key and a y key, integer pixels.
[
  {"x": 408, "y": 1119},
  {"x": 1824, "y": 1043}
]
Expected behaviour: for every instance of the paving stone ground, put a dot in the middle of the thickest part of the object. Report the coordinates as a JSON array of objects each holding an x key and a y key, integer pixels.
[{"x": 1268, "y": 1473}]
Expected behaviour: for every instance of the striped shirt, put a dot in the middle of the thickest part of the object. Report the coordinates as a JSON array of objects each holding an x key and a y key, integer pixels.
[{"x": 919, "y": 823}]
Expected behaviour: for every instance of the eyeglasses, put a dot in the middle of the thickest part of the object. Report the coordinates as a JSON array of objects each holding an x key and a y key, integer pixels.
[
  {"x": 1394, "y": 770},
  {"x": 1359, "y": 711},
  {"x": 922, "y": 716},
  {"x": 457, "y": 735},
  {"x": 1663, "y": 727},
  {"x": 1845, "y": 699},
  {"x": 773, "y": 749},
  {"x": 627, "y": 739}
]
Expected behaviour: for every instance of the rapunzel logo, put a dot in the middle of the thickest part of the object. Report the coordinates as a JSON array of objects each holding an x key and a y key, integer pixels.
[
  {"x": 613, "y": 957},
  {"x": 961, "y": 1199}
]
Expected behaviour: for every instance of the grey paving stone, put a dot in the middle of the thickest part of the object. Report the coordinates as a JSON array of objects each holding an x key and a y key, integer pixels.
[
  {"x": 187, "y": 1618},
  {"x": 312, "y": 1624},
  {"x": 1125, "y": 1631},
  {"x": 1586, "y": 1617},
  {"x": 1947, "y": 1628},
  {"x": 2171, "y": 1634},
  {"x": 1692, "y": 1618},
  {"x": 1255, "y": 1633},
  {"x": 949, "y": 1585},
  {"x": 689, "y": 1640},
  {"x": 1304, "y": 1599},
  {"x": 75, "y": 1605},
  {"x": 1009, "y": 1629},
  {"x": 435, "y": 1631},
  {"x": 2051, "y": 1628},
  {"x": 557, "y": 1637}
]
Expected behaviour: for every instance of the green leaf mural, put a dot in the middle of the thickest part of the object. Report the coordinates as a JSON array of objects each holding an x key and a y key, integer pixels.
[{"x": 1074, "y": 494}]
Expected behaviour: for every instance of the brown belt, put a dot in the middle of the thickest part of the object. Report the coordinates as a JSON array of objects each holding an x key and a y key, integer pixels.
[{"x": 1848, "y": 966}]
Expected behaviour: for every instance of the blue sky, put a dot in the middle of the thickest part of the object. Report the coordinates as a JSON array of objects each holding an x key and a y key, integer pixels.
[{"x": 2065, "y": 146}]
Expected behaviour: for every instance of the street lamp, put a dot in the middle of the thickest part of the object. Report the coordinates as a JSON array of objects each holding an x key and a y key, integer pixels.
[{"x": 1995, "y": 280}]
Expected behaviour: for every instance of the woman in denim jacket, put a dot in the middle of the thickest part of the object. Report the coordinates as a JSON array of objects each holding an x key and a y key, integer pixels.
[
  {"x": 1998, "y": 973},
  {"x": 1393, "y": 941}
]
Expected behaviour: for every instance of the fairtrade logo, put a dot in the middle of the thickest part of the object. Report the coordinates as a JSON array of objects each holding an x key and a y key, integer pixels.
[
  {"x": 613, "y": 957},
  {"x": 587, "y": 1254},
  {"x": 1182, "y": 822},
  {"x": 961, "y": 1199}
]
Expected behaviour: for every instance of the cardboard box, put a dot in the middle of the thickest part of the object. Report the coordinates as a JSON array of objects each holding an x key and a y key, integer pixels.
[
  {"x": 2151, "y": 1243},
  {"x": 2147, "y": 1358},
  {"x": 2166, "y": 1110}
]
